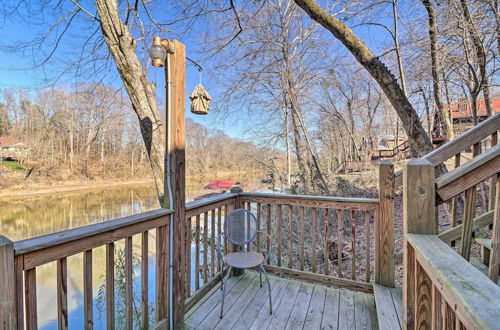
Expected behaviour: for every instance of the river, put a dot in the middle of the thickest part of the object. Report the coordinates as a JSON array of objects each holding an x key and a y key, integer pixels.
[{"x": 35, "y": 215}]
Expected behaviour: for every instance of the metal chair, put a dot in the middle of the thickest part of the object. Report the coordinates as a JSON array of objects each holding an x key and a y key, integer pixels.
[{"x": 240, "y": 229}]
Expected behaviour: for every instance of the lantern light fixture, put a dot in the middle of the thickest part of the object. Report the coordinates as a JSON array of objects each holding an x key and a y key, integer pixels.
[{"x": 157, "y": 52}]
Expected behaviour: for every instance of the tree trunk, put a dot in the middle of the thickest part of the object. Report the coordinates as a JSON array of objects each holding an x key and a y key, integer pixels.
[
  {"x": 436, "y": 83},
  {"x": 288, "y": 158},
  {"x": 419, "y": 139},
  {"x": 121, "y": 45}
]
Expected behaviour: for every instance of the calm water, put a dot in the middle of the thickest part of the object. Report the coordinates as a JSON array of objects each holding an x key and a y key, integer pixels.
[{"x": 30, "y": 216}]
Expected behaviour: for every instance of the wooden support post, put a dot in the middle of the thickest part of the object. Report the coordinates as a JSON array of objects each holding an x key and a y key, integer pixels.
[
  {"x": 494, "y": 264},
  {"x": 176, "y": 132},
  {"x": 384, "y": 227},
  {"x": 8, "y": 319},
  {"x": 419, "y": 217}
]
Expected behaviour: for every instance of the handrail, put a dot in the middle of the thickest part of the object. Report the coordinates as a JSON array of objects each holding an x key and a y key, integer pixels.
[
  {"x": 469, "y": 174},
  {"x": 460, "y": 143},
  {"x": 473, "y": 297},
  {"x": 283, "y": 197}
]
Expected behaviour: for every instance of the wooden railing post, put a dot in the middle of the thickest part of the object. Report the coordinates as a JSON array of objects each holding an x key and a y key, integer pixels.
[
  {"x": 8, "y": 319},
  {"x": 384, "y": 227},
  {"x": 419, "y": 217},
  {"x": 237, "y": 205}
]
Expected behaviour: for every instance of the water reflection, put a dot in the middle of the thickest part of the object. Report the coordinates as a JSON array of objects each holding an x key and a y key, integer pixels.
[{"x": 30, "y": 216}]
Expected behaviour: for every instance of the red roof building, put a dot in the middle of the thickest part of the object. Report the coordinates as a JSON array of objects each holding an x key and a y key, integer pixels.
[{"x": 464, "y": 109}]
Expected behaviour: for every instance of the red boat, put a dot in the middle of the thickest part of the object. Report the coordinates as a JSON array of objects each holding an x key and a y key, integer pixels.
[{"x": 223, "y": 184}]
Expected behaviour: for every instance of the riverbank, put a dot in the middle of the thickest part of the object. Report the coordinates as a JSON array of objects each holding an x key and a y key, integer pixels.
[{"x": 24, "y": 190}]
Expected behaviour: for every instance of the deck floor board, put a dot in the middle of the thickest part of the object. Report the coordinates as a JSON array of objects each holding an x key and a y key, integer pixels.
[{"x": 296, "y": 305}]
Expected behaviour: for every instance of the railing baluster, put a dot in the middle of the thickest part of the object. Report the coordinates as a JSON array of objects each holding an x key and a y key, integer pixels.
[
  {"x": 161, "y": 273},
  {"x": 128, "y": 283},
  {"x": 326, "y": 257},
  {"x": 197, "y": 255},
  {"x": 219, "y": 228},
  {"x": 144, "y": 279},
  {"x": 340, "y": 242},
  {"x": 205, "y": 247},
  {"x": 454, "y": 201},
  {"x": 258, "y": 225},
  {"x": 18, "y": 265},
  {"x": 110, "y": 286},
  {"x": 367, "y": 246},
  {"x": 353, "y": 245},
  {"x": 247, "y": 206},
  {"x": 226, "y": 248},
  {"x": 62, "y": 293},
  {"x": 87, "y": 290},
  {"x": 30, "y": 295},
  {"x": 212, "y": 243},
  {"x": 189, "y": 240},
  {"x": 302, "y": 229},
  {"x": 269, "y": 231},
  {"x": 278, "y": 236},
  {"x": 493, "y": 180},
  {"x": 290, "y": 233},
  {"x": 314, "y": 216}
]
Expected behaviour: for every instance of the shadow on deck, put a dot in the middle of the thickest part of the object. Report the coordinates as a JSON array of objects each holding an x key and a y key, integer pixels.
[{"x": 296, "y": 305}]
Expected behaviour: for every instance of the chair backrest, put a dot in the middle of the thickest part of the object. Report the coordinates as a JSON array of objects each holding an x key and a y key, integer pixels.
[{"x": 240, "y": 227}]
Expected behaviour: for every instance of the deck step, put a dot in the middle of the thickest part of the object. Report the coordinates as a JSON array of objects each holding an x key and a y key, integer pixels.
[
  {"x": 389, "y": 305},
  {"x": 486, "y": 242}
]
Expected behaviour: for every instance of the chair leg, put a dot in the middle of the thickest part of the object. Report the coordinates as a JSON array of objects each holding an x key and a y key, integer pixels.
[
  {"x": 223, "y": 294},
  {"x": 260, "y": 277},
  {"x": 268, "y": 289}
]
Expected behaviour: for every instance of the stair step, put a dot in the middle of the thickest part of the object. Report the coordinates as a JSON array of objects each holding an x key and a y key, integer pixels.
[
  {"x": 486, "y": 242},
  {"x": 389, "y": 305}
]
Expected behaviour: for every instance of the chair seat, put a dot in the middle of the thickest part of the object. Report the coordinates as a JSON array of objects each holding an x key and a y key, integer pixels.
[{"x": 244, "y": 259}]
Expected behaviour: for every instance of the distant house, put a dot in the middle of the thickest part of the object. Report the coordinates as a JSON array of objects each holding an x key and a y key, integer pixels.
[
  {"x": 11, "y": 148},
  {"x": 461, "y": 114}
]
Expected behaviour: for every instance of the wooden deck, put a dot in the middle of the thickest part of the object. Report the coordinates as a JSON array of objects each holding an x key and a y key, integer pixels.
[{"x": 296, "y": 305}]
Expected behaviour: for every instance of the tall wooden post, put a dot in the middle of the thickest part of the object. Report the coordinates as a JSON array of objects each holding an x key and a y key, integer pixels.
[
  {"x": 176, "y": 134},
  {"x": 419, "y": 217},
  {"x": 8, "y": 319},
  {"x": 384, "y": 227}
]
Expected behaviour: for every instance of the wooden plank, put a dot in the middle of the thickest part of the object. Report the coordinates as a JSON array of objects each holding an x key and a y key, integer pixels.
[
  {"x": 386, "y": 311},
  {"x": 62, "y": 293},
  {"x": 129, "y": 316},
  {"x": 38, "y": 257},
  {"x": 469, "y": 174},
  {"x": 480, "y": 221},
  {"x": 205, "y": 247},
  {"x": 30, "y": 295},
  {"x": 437, "y": 317},
  {"x": 260, "y": 304},
  {"x": 494, "y": 264},
  {"x": 161, "y": 273},
  {"x": 316, "y": 308},
  {"x": 314, "y": 221},
  {"x": 212, "y": 243},
  {"x": 367, "y": 247},
  {"x": 301, "y": 305},
  {"x": 454, "y": 201},
  {"x": 197, "y": 254},
  {"x": 408, "y": 286},
  {"x": 87, "y": 290},
  {"x": 384, "y": 227},
  {"x": 330, "y": 318},
  {"x": 362, "y": 311},
  {"x": 469, "y": 213},
  {"x": 206, "y": 289},
  {"x": 321, "y": 279},
  {"x": 268, "y": 220},
  {"x": 279, "y": 230},
  {"x": 346, "y": 311},
  {"x": 397, "y": 299},
  {"x": 144, "y": 279},
  {"x": 110, "y": 286},
  {"x": 423, "y": 299},
  {"x": 207, "y": 204},
  {"x": 8, "y": 318},
  {"x": 302, "y": 230},
  {"x": 113, "y": 229},
  {"x": 197, "y": 311},
  {"x": 326, "y": 254},
  {"x": 290, "y": 235},
  {"x": 340, "y": 242},
  {"x": 282, "y": 314},
  {"x": 19, "y": 290},
  {"x": 263, "y": 318},
  {"x": 448, "y": 317},
  {"x": 474, "y": 297},
  {"x": 310, "y": 201},
  {"x": 353, "y": 245}
]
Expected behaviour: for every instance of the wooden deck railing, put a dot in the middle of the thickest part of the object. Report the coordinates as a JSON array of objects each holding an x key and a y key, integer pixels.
[{"x": 441, "y": 289}]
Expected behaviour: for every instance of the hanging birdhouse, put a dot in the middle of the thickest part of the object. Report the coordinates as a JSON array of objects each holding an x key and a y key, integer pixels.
[{"x": 200, "y": 100}]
